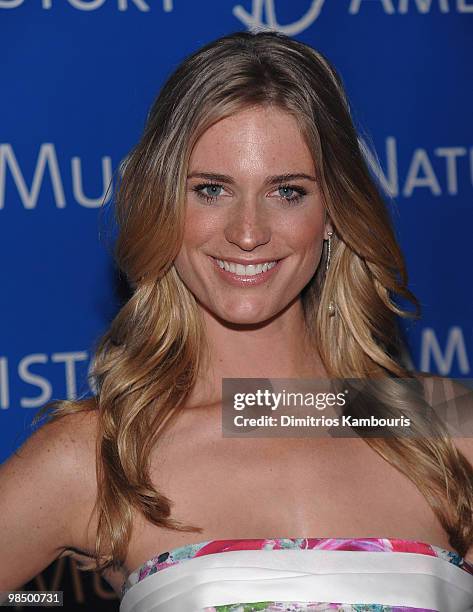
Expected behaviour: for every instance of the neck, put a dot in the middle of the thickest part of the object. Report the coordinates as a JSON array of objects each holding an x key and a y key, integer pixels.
[{"x": 277, "y": 348}]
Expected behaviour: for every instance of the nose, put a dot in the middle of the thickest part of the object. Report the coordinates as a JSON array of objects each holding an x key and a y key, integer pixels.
[{"x": 248, "y": 225}]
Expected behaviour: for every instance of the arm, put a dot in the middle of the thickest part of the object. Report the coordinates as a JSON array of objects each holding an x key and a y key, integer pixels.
[
  {"x": 43, "y": 491},
  {"x": 450, "y": 390}
]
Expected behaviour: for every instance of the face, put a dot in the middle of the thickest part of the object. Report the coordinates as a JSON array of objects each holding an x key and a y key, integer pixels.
[{"x": 254, "y": 224}]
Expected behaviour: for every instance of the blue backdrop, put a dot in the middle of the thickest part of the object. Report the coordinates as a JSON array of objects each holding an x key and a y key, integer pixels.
[{"x": 78, "y": 78}]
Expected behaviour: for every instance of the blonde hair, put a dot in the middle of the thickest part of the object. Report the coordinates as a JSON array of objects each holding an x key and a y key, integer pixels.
[{"x": 147, "y": 362}]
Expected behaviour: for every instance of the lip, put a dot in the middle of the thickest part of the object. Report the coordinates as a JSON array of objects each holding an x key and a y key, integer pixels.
[
  {"x": 244, "y": 281},
  {"x": 245, "y": 262}
]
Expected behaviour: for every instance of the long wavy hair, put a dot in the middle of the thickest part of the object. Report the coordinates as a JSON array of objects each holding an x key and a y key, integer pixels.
[{"x": 146, "y": 363}]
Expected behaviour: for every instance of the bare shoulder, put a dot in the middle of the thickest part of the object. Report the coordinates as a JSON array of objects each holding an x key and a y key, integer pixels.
[
  {"x": 66, "y": 447},
  {"x": 59, "y": 453},
  {"x": 441, "y": 390},
  {"x": 75, "y": 438},
  {"x": 47, "y": 486}
]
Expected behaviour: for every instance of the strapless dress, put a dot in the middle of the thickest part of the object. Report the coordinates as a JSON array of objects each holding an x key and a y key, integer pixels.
[{"x": 298, "y": 574}]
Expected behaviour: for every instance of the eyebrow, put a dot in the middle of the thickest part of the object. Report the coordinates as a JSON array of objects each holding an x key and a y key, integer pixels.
[{"x": 269, "y": 180}]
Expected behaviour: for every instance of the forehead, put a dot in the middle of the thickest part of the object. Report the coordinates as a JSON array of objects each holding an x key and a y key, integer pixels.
[{"x": 251, "y": 138}]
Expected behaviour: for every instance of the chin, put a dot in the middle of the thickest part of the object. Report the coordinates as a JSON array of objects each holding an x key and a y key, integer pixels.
[{"x": 253, "y": 316}]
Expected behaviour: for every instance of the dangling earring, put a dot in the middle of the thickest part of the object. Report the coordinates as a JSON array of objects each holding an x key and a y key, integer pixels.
[
  {"x": 331, "y": 307},
  {"x": 329, "y": 248}
]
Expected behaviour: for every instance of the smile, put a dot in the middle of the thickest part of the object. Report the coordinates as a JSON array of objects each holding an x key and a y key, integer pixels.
[
  {"x": 249, "y": 270},
  {"x": 241, "y": 275}
]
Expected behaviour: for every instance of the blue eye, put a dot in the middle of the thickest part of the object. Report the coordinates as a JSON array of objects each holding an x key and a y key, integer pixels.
[
  {"x": 212, "y": 194},
  {"x": 286, "y": 189},
  {"x": 292, "y": 198}
]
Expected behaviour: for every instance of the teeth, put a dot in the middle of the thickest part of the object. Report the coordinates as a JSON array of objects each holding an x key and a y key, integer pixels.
[{"x": 241, "y": 270}]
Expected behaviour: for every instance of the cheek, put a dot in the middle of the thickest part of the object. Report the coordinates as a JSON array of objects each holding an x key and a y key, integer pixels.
[
  {"x": 309, "y": 242},
  {"x": 200, "y": 227},
  {"x": 306, "y": 232}
]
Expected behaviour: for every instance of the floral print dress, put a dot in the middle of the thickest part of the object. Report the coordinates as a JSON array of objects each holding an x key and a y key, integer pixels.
[{"x": 183, "y": 553}]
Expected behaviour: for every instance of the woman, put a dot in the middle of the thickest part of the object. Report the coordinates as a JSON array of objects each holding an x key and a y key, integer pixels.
[{"x": 249, "y": 158}]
